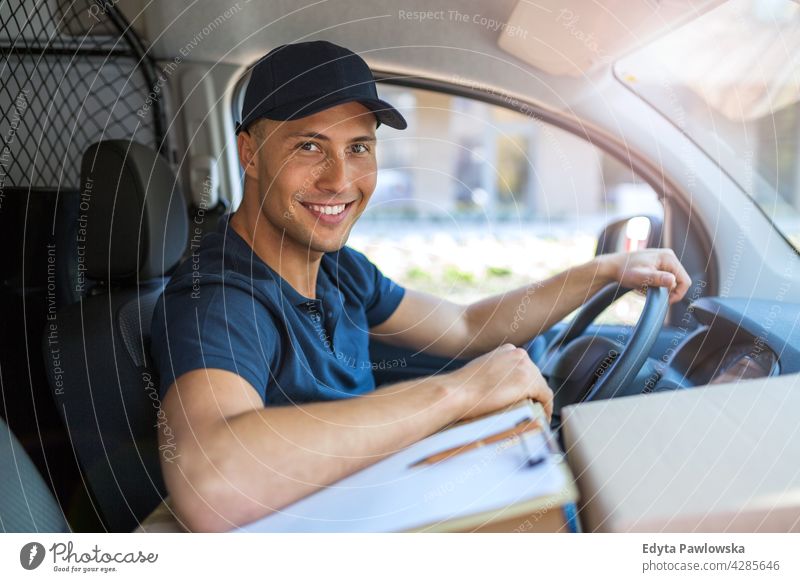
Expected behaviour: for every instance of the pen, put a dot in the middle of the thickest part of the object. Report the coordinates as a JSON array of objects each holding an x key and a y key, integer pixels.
[{"x": 519, "y": 429}]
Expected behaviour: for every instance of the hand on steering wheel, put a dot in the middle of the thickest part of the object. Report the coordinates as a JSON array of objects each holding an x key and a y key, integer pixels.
[{"x": 582, "y": 368}]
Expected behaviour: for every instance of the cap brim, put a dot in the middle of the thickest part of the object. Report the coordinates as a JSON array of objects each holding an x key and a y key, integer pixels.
[{"x": 385, "y": 113}]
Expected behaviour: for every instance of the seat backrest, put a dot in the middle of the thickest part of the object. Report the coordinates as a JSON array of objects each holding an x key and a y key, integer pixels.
[
  {"x": 26, "y": 503},
  {"x": 133, "y": 227},
  {"x": 38, "y": 228}
]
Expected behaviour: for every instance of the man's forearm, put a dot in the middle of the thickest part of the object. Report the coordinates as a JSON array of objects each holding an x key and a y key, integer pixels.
[
  {"x": 520, "y": 315},
  {"x": 261, "y": 460}
]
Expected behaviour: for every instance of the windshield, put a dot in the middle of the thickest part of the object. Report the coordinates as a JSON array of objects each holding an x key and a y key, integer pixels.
[{"x": 730, "y": 80}]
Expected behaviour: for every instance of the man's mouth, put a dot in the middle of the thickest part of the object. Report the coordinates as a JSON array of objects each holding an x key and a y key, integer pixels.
[{"x": 328, "y": 213}]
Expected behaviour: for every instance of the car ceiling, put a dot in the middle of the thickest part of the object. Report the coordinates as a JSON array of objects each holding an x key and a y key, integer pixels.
[{"x": 457, "y": 50}]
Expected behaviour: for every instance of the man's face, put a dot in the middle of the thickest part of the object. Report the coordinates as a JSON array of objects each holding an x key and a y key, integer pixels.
[{"x": 314, "y": 175}]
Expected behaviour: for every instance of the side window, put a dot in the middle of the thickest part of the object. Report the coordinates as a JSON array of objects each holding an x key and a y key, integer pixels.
[{"x": 475, "y": 199}]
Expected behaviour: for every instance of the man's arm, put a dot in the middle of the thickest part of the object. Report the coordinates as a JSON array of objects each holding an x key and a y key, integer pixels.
[
  {"x": 236, "y": 461},
  {"x": 443, "y": 328}
]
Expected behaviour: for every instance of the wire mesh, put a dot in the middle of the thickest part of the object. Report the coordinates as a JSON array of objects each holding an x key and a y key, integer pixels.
[{"x": 68, "y": 78}]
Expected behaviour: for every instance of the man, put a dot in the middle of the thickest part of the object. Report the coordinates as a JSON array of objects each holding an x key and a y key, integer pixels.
[{"x": 262, "y": 336}]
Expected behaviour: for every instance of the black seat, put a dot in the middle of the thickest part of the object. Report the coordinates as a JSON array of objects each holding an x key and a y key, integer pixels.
[
  {"x": 132, "y": 230},
  {"x": 38, "y": 227}
]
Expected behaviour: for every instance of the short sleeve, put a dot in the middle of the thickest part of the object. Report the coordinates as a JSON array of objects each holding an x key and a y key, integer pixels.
[
  {"x": 214, "y": 326},
  {"x": 380, "y": 294}
]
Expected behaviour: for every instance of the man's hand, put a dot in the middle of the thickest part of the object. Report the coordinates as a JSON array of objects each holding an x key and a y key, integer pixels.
[
  {"x": 649, "y": 267},
  {"x": 500, "y": 378}
]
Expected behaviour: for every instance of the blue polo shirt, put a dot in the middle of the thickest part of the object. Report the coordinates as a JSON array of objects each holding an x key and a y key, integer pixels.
[{"x": 225, "y": 308}]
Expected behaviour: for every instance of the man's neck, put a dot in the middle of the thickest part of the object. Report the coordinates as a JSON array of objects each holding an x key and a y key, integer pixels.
[{"x": 298, "y": 266}]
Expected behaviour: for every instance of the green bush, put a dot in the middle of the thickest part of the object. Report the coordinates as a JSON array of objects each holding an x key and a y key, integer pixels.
[
  {"x": 498, "y": 272},
  {"x": 453, "y": 275}
]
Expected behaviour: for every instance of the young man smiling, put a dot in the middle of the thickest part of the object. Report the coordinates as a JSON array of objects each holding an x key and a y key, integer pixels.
[{"x": 262, "y": 373}]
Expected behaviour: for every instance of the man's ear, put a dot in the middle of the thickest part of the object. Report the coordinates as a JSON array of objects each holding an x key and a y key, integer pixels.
[{"x": 248, "y": 153}]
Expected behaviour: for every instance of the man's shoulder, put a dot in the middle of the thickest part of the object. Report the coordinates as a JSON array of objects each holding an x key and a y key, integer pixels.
[
  {"x": 363, "y": 281},
  {"x": 220, "y": 280},
  {"x": 220, "y": 260}
]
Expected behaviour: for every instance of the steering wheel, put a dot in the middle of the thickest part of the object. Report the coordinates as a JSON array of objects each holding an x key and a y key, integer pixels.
[{"x": 582, "y": 368}]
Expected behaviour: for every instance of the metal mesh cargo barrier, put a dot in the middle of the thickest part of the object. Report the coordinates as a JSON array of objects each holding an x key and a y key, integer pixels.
[{"x": 72, "y": 73}]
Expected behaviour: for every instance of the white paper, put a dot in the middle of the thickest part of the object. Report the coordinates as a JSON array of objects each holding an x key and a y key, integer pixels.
[{"x": 390, "y": 496}]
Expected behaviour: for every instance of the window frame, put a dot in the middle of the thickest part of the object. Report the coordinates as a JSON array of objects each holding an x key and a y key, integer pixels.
[{"x": 677, "y": 209}]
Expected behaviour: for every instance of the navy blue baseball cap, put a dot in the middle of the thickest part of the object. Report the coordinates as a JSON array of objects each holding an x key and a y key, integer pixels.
[{"x": 297, "y": 80}]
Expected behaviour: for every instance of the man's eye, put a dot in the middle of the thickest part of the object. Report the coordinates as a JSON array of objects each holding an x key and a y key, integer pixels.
[
  {"x": 308, "y": 146},
  {"x": 360, "y": 148}
]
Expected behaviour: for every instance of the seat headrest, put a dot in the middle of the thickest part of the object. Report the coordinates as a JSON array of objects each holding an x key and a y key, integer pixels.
[{"x": 132, "y": 214}]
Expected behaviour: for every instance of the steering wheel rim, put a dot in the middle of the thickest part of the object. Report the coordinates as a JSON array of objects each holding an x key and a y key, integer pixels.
[{"x": 631, "y": 356}]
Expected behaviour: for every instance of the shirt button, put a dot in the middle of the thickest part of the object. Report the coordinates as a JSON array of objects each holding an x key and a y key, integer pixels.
[{"x": 330, "y": 314}]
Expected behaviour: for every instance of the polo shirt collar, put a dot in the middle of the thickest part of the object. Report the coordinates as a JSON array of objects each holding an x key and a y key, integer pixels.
[{"x": 324, "y": 288}]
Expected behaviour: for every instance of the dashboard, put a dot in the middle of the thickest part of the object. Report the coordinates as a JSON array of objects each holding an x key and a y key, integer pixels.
[
  {"x": 742, "y": 363},
  {"x": 737, "y": 339}
]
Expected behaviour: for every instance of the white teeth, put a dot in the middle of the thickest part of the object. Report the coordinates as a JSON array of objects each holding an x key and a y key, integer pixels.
[{"x": 327, "y": 209}]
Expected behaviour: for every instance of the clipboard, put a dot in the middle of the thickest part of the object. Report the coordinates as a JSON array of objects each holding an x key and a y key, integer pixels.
[
  {"x": 555, "y": 513},
  {"x": 486, "y": 489}
]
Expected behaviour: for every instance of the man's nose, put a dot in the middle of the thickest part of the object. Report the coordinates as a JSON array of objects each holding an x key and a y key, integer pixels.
[{"x": 335, "y": 176}]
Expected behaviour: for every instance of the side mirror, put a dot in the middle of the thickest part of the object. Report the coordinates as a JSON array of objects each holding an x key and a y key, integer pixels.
[{"x": 630, "y": 234}]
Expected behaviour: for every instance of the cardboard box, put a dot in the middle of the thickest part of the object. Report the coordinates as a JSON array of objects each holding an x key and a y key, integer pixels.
[{"x": 720, "y": 458}]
